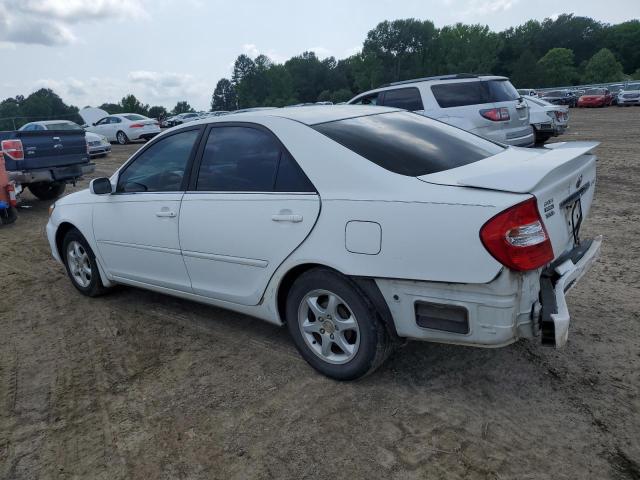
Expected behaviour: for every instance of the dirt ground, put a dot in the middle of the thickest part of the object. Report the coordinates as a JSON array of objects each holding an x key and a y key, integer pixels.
[{"x": 140, "y": 385}]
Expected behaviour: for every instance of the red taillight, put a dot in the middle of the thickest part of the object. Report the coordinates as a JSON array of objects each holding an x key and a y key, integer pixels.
[
  {"x": 13, "y": 149},
  {"x": 496, "y": 114},
  {"x": 517, "y": 237},
  {"x": 136, "y": 125}
]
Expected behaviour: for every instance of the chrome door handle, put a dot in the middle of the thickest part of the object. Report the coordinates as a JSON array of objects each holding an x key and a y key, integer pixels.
[
  {"x": 287, "y": 218},
  {"x": 166, "y": 213}
]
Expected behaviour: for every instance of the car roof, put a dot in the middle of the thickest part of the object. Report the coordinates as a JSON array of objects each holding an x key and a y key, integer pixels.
[
  {"x": 50, "y": 122},
  {"x": 311, "y": 115}
]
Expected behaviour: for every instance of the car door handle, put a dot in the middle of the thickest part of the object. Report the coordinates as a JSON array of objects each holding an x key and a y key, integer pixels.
[
  {"x": 287, "y": 218},
  {"x": 166, "y": 213}
]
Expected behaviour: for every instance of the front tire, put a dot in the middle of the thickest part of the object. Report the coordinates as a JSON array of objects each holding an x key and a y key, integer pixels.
[
  {"x": 334, "y": 326},
  {"x": 47, "y": 190},
  {"x": 122, "y": 138},
  {"x": 81, "y": 264}
]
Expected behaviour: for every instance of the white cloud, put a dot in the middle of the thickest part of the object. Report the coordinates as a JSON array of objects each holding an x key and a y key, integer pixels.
[
  {"x": 48, "y": 22},
  {"x": 487, "y": 7},
  {"x": 153, "y": 88},
  {"x": 321, "y": 52}
]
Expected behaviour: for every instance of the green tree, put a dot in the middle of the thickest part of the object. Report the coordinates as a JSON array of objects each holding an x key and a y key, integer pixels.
[
  {"x": 342, "y": 95},
  {"x": 224, "y": 96},
  {"x": 603, "y": 67},
  {"x": 244, "y": 69},
  {"x": 130, "y": 104},
  {"x": 112, "y": 108},
  {"x": 525, "y": 71},
  {"x": 624, "y": 40},
  {"x": 557, "y": 68},
  {"x": 182, "y": 107},
  {"x": 157, "y": 112},
  {"x": 467, "y": 49}
]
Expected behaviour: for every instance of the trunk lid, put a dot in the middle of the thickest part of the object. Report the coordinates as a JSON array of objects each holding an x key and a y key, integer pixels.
[{"x": 561, "y": 176}]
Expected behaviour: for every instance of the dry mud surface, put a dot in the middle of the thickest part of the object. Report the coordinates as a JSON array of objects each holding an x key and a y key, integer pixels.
[{"x": 140, "y": 385}]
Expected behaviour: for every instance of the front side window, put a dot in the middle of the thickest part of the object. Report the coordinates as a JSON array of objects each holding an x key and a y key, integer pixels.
[
  {"x": 405, "y": 98},
  {"x": 245, "y": 159},
  {"x": 366, "y": 100},
  {"x": 104, "y": 121},
  {"x": 408, "y": 143},
  {"x": 161, "y": 167}
]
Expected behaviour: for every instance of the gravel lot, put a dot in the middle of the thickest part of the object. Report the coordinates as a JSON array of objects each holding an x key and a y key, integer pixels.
[{"x": 139, "y": 385}]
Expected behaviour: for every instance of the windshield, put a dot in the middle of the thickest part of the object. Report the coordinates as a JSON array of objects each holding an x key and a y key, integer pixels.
[
  {"x": 134, "y": 117},
  {"x": 408, "y": 143},
  {"x": 594, "y": 91},
  {"x": 633, "y": 86},
  {"x": 63, "y": 126}
]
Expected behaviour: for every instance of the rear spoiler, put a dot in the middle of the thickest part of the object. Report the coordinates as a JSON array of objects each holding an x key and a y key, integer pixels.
[{"x": 517, "y": 170}]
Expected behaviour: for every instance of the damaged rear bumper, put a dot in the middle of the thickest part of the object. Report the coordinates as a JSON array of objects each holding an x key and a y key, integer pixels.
[{"x": 556, "y": 280}]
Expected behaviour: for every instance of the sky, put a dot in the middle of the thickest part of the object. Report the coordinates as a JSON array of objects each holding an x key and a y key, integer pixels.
[{"x": 164, "y": 51}]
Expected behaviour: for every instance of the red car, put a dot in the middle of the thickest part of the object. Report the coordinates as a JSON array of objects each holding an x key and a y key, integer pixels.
[{"x": 596, "y": 97}]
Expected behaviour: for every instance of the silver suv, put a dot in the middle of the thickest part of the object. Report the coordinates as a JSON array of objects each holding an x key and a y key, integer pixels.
[{"x": 486, "y": 105}]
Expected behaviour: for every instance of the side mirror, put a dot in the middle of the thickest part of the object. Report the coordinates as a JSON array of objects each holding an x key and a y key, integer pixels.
[{"x": 100, "y": 186}]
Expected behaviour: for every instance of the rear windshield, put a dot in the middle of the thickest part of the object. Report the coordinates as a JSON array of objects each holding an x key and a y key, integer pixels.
[
  {"x": 134, "y": 117},
  {"x": 63, "y": 126},
  {"x": 554, "y": 93},
  {"x": 474, "y": 93},
  {"x": 408, "y": 143}
]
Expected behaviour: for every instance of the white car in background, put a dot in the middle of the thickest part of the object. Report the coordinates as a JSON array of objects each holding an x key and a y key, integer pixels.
[
  {"x": 98, "y": 145},
  {"x": 121, "y": 127},
  {"x": 547, "y": 119},
  {"x": 486, "y": 105},
  {"x": 357, "y": 227},
  {"x": 629, "y": 95}
]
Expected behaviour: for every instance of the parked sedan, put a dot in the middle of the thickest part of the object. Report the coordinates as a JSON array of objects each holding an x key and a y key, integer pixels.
[
  {"x": 630, "y": 95},
  {"x": 595, "y": 97},
  {"x": 122, "y": 127},
  {"x": 548, "y": 120},
  {"x": 561, "y": 97},
  {"x": 97, "y": 145},
  {"x": 356, "y": 226}
]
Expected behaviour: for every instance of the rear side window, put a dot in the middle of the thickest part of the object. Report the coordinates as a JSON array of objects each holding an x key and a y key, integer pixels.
[
  {"x": 474, "y": 93},
  {"x": 245, "y": 159},
  {"x": 406, "y": 98},
  {"x": 459, "y": 94},
  {"x": 408, "y": 143}
]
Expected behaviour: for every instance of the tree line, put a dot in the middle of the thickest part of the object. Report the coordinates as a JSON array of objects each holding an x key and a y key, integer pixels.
[
  {"x": 564, "y": 51},
  {"x": 554, "y": 52}
]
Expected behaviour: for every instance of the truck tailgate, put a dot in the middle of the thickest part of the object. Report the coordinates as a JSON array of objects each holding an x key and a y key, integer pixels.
[{"x": 51, "y": 148}]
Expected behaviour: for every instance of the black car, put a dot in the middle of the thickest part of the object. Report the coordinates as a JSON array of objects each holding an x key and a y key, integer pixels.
[{"x": 561, "y": 97}]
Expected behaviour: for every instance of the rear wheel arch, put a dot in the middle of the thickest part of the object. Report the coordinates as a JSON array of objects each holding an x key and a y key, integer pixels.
[{"x": 367, "y": 286}]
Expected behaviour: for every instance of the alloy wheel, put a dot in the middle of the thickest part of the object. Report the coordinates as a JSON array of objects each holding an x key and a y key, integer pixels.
[
  {"x": 329, "y": 326},
  {"x": 79, "y": 264}
]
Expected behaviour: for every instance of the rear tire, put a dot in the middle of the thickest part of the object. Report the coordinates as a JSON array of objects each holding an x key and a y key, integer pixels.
[
  {"x": 335, "y": 326},
  {"x": 47, "y": 190},
  {"x": 122, "y": 138},
  {"x": 81, "y": 265}
]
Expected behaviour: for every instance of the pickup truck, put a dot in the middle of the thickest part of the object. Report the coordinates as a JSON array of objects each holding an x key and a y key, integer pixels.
[{"x": 45, "y": 161}]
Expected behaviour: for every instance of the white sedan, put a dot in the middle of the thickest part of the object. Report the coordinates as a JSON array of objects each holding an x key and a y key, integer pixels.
[
  {"x": 547, "y": 119},
  {"x": 121, "y": 127},
  {"x": 357, "y": 227}
]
